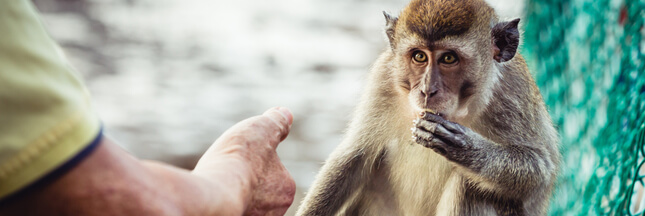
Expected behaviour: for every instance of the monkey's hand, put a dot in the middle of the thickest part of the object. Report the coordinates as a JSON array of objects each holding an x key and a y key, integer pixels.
[
  {"x": 515, "y": 178},
  {"x": 452, "y": 140}
]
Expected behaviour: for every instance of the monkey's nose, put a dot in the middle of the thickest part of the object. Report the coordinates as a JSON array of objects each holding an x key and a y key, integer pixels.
[{"x": 432, "y": 91}]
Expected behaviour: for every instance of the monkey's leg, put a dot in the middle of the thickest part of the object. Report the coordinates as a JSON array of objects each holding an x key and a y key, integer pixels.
[{"x": 513, "y": 170}]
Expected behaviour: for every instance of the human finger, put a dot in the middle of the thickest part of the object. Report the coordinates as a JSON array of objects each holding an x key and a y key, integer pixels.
[{"x": 283, "y": 119}]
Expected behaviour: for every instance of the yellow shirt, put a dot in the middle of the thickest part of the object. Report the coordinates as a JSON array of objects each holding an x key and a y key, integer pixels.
[{"x": 45, "y": 114}]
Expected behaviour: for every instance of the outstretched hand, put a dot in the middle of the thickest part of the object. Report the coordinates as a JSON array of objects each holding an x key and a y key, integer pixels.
[{"x": 245, "y": 156}]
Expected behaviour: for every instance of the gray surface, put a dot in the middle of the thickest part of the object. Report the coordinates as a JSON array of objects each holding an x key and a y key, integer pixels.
[{"x": 168, "y": 77}]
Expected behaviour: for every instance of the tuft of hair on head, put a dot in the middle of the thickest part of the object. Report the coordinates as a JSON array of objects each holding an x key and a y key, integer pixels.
[{"x": 436, "y": 19}]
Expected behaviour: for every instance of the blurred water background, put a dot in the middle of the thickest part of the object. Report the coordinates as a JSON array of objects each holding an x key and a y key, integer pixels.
[{"x": 168, "y": 77}]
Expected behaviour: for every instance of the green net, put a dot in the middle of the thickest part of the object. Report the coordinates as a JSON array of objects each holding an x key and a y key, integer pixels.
[{"x": 588, "y": 60}]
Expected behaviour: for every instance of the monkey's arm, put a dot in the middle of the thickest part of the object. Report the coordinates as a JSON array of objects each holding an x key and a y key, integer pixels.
[
  {"x": 338, "y": 179},
  {"x": 511, "y": 170}
]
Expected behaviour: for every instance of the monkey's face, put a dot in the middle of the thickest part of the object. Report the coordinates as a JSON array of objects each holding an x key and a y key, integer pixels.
[
  {"x": 438, "y": 77},
  {"x": 442, "y": 51}
]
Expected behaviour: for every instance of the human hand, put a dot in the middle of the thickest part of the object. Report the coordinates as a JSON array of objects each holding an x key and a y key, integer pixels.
[{"x": 244, "y": 159}]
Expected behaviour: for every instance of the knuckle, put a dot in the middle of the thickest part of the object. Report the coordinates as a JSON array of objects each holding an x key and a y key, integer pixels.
[
  {"x": 268, "y": 128},
  {"x": 291, "y": 185},
  {"x": 424, "y": 136},
  {"x": 432, "y": 128},
  {"x": 278, "y": 118},
  {"x": 418, "y": 139},
  {"x": 278, "y": 125}
]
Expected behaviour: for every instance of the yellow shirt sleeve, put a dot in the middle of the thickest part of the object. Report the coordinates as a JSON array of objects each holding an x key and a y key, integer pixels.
[{"x": 45, "y": 113}]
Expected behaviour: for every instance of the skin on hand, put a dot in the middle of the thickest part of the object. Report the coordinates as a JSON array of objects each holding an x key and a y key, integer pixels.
[
  {"x": 251, "y": 145},
  {"x": 240, "y": 174}
]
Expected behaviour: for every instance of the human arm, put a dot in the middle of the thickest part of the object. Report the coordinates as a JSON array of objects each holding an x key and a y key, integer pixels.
[{"x": 239, "y": 174}]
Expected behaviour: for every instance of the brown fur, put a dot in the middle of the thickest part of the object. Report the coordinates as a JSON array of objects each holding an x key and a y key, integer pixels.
[
  {"x": 503, "y": 160},
  {"x": 435, "y": 20}
]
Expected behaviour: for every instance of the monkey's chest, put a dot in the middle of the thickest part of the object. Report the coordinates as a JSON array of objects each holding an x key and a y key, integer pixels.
[{"x": 417, "y": 177}]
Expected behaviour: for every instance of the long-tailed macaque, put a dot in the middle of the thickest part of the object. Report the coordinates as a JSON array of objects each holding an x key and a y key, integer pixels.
[{"x": 482, "y": 142}]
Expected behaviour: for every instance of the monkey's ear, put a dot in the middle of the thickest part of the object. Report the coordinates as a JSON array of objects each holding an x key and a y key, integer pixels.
[
  {"x": 506, "y": 38},
  {"x": 390, "y": 24}
]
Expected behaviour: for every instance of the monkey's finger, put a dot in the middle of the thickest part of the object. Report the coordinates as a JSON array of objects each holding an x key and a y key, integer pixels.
[
  {"x": 454, "y": 127},
  {"x": 433, "y": 118},
  {"x": 282, "y": 118},
  {"x": 426, "y": 126},
  {"x": 427, "y": 140},
  {"x": 425, "y": 135},
  {"x": 424, "y": 142},
  {"x": 438, "y": 146},
  {"x": 450, "y": 138},
  {"x": 421, "y": 141}
]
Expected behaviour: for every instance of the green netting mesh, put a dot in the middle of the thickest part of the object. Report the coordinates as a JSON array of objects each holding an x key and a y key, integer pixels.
[{"x": 588, "y": 59}]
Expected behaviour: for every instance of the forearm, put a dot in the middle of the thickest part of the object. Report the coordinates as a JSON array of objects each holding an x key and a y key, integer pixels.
[
  {"x": 112, "y": 182},
  {"x": 511, "y": 170},
  {"x": 240, "y": 174},
  {"x": 195, "y": 195}
]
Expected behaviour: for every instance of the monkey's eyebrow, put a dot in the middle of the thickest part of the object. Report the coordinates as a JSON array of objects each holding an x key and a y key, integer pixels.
[
  {"x": 412, "y": 49},
  {"x": 421, "y": 45},
  {"x": 460, "y": 50},
  {"x": 416, "y": 47},
  {"x": 456, "y": 45},
  {"x": 445, "y": 45}
]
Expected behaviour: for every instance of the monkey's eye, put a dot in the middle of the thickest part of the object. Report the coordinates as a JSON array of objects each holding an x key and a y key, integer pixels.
[
  {"x": 419, "y": 56},
  {"x": 448, "y": 58}
]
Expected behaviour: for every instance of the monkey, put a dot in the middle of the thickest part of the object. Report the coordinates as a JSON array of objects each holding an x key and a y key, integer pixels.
[{"x": 481, "y": 142}]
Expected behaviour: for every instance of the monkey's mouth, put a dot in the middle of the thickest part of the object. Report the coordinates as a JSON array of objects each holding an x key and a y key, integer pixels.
[
  {"x": 421, "y": 111},
  {"x": 440, "y": 114}
]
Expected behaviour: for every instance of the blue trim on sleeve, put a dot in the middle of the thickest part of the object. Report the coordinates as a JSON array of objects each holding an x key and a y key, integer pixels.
[{"x": 56, "y": 173}]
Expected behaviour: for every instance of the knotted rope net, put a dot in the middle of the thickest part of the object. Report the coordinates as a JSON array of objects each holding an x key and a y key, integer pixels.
[{"x": 588, "y": 60}]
